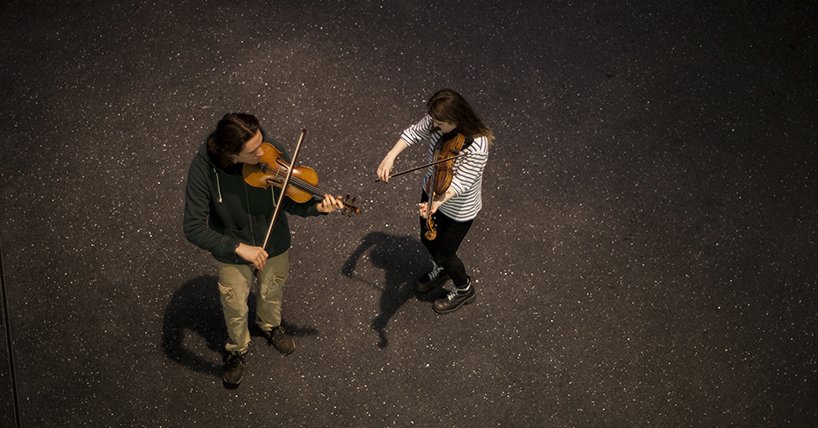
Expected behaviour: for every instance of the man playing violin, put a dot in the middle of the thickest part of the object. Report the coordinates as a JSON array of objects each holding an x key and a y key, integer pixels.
[
  {"x": 229, "y": 218},
  {"x": 454, "y": 207}
]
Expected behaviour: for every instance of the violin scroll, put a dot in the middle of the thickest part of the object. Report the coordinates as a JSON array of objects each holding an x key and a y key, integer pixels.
[{"x": 431, "y": 231}]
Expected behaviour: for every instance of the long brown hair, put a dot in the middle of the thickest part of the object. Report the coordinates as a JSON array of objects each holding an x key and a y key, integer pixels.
[
  {"x": 232, "y": 131},
  {"x": 448, "y": 106}
]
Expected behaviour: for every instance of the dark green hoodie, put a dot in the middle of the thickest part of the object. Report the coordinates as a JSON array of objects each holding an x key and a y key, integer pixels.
[{"x": 222, "y": 210}]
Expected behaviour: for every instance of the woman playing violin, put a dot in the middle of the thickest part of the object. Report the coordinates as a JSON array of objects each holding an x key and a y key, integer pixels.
[
  {"x": 229, "y": 218},
  {"x": 453, "y": 208}
]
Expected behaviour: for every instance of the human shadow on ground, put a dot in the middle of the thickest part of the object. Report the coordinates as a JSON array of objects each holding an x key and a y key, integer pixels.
[
  {"x": 195, "y": 309},
  {"x": 402, "y": 259}
]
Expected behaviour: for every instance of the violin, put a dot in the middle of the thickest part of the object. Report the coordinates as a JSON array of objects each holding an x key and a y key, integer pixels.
[
  {"x": 445, "y": 155},
  {"x": 272, "y": 170}
]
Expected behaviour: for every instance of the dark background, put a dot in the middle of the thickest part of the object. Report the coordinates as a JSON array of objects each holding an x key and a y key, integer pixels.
[{"x": 646, "y": 254}]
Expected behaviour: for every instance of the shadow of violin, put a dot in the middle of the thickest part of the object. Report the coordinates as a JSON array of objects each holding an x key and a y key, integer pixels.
[{"x": 402, "y": 259}]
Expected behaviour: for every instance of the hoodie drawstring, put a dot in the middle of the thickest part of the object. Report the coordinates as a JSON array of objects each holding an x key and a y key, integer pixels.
[{"x": 218, "y": 185}]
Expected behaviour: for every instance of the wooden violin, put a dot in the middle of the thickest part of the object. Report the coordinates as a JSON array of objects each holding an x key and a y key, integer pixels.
[
  {"x": 441, "y": 178},
  {"x": 272, "y": 170}
]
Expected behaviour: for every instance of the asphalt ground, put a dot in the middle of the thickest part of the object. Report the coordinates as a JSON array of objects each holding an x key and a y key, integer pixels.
[{"x": 646, "y": 254}]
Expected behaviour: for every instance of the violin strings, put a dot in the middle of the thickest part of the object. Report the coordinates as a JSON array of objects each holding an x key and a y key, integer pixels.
[{"x": 303, "y": 185}]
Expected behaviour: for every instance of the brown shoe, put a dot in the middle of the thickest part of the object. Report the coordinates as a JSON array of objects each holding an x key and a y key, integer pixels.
[
  {"x": 280, "y": 340},
  {"x": 455, "y": 299},
  {"x": 233, "y": 369}
]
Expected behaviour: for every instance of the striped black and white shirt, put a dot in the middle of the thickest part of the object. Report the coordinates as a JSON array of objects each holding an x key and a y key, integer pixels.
[{"x": 467, "y": 177}]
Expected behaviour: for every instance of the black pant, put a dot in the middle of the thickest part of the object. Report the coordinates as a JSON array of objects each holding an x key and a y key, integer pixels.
[{"x": 443, "y": 248}]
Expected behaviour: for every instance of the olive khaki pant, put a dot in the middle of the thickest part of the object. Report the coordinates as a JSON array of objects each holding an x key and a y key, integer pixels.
[{"x": 235, "y": 282}]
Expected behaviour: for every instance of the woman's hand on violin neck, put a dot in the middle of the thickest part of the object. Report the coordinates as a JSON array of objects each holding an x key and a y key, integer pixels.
[
  {"x": 329, "y": 204},
  {"x": 436, "y": 203},
  {"x": 255, "y": 255},
  {"x": 422, "y": 210},
  {"x": 423, "y": 207}
]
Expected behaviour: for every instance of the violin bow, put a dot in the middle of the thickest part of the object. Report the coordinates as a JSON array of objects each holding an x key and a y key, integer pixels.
[
  {"x": 425, "y": 166},
  {"x": 284, "y": 186}
]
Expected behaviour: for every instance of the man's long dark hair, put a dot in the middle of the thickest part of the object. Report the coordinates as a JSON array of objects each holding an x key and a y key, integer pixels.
[
  {"x": 232, "y": 131},
  {"x": 446, "y": 105}
]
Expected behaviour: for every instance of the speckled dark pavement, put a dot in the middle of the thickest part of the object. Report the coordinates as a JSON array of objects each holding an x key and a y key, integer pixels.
[{"x": 646, "y": 255}]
